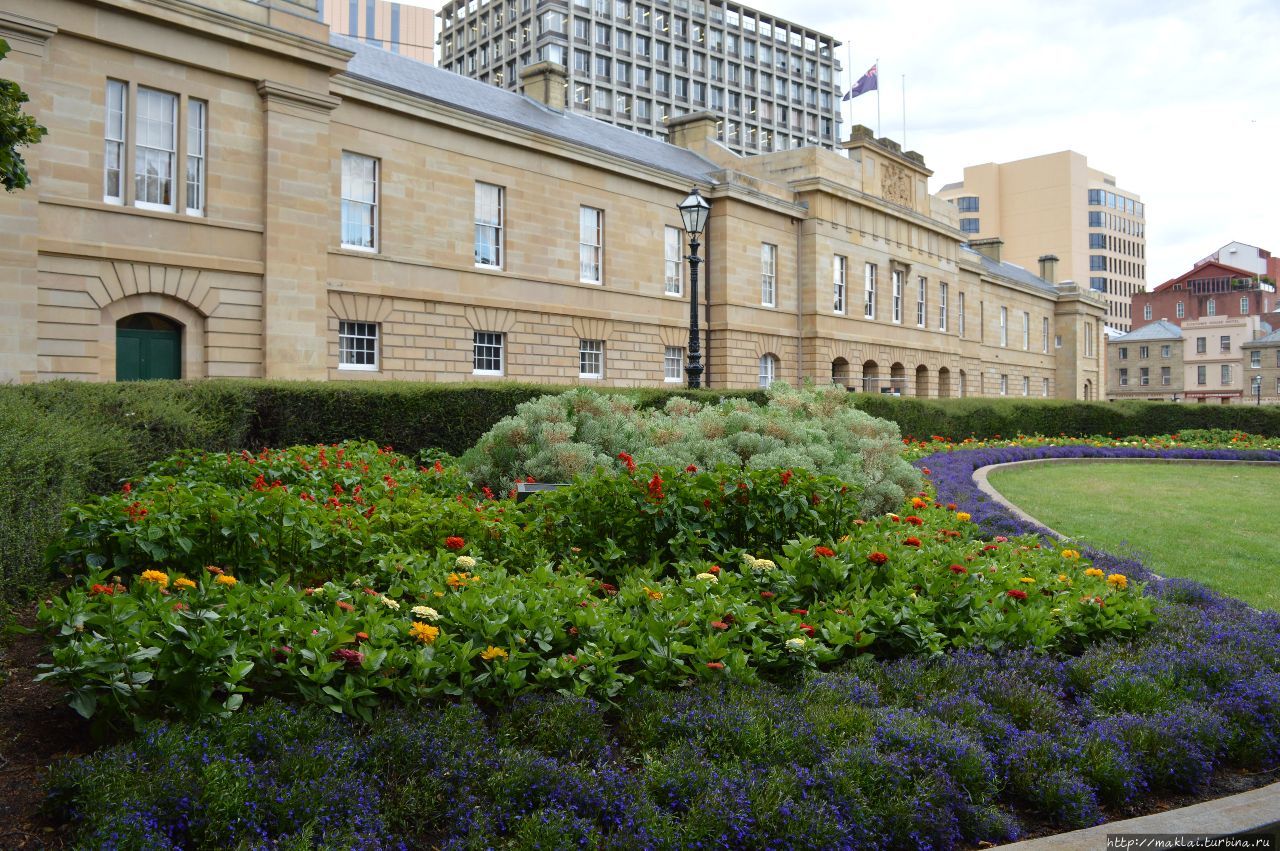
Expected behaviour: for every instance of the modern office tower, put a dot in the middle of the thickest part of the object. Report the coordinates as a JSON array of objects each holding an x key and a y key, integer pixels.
[
  {"x": 772, "y": 83},
  {"x": 398, "y": 27},
  {"x": 1056, "y": 204}
]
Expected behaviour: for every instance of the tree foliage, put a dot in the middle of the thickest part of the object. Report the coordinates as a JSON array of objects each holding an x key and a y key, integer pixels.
[{"x": 16, "y": 129}]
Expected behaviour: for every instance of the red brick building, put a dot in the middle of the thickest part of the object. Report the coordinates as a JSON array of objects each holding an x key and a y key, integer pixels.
[{"x": 1211, "y": 288}]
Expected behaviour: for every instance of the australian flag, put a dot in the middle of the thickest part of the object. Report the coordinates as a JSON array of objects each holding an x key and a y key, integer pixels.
[{"x": 868, "y": 82}]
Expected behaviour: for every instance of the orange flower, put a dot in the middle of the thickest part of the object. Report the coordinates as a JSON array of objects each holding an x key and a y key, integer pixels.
[
  {"x": 228, "y": 581},
  {"x": 345, "y": 606}
]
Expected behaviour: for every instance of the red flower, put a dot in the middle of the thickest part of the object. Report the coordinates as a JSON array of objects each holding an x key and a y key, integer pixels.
[
  {"x": 179, "y": 607},
  {"x": 719, "y": 625},
  {"x": 990, "y": 547},
  {"x": 911, "y": 542},
  {"x": 806, "y": 629},
  {"x": 362, "y": 636},
  {"x": 877, "y": 558},
  {"x": 438, "y": 467},
  {"x": 573, "y": 630},
  {"x": 103, "y": 589},
  {"x": 799, "y": 611},
  {"x": 716, "y": 666},
  {"x": 767, "y": 595},
  {"x": 345, "y": 606},
  {"x": 951, "y": 506},
  {"x": 655, "y": 487},
  {"x": 691, "y": 469},
  {"x": 1016, "y": 594},
  {"x": 925, "y": 470},
  {"x": 958, "y": 568},
  {"x": 715, "y": 568},
  {"x": 608, "y": 588},
  {"x": 628, "y": 461},
  {"x": 815, "y": 499},
  {"x": 825, "y": 552},
  {"x": 350, "y": 657},
  {"x": 706, "y": 503},
  {"x": 128, "y": 488},
  {"x": 786, "y": 477},
  {"x": 453, "y": 542},
  {"x": 915, "y": 521}
]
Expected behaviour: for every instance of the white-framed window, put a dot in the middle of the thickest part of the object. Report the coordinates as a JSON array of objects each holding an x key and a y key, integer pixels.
[
  {"x": 1026, "y": 331},
  {"x": 1146, "y": 312},
  {"x": 1004, "y": 385},
  {"x": 673, "y": 364},
  {"x": 1044, "y": 334},
  {"x": 768, "y": 274},
  {"x": 1244, "y": 306},
  {"x": 359, "y": 201},
  {"x": 1144, "y": 352},
  {"x": 1202, "y": 374},
  {"x": 1144, "y": 376},
  {"x": 591, "y": 358},
  {"x": 922, "y": 298},
  {"x": 155, "y": 155},
  {"x": 116, "y": 130},
  {"x": 768, "y": 370},
  {"x": 960, "y": 314},
  {"x": 1004, "y": 326},
  {"x": 943, "y": 290},
  {"x": 1026, "y": 385},
  {"x": 896, "y": 277},
  {"x": 1166, "y": 375},
  {"x": 358, "y": 345},
  {"x": 590, "y": 245},
  {"x": 197, "y": 139},
  {"x": 674, "y": 263},
  {"x": 1124, "y": 376},
  {"x": 1179, "y": 310},
  {"x": 1211, "y": 308},
  {"x": 1166, "y": 350},
  {"x": 1226, "y": 374},
  {"x": 839, "y": 281},
  {"x": 489, "y": 224},
  {"x": 487, "y": 353},
  {"x": 1255, "y": 359},
  {"x": 869, "y": 292},
  {"x": 1044, "y": 387}
]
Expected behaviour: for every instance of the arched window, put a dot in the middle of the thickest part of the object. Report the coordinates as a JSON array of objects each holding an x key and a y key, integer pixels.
[
  {"x": 840, "y": 372},
  {"x": 768, "y": 369}
]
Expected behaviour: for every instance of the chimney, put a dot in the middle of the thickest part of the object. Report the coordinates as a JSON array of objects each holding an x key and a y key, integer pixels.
[
  {"x": 1049, "y": 268},
  {"x": 693, "y": 130},
  {"x": 547, "y": 83},
  {"x": 989, "y": 248}
]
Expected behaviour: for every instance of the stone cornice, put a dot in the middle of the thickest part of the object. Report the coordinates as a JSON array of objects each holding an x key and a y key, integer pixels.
[
  {"x": 823, "y": 184},
  {"x": 185, "y": 14},
  {"x": 282, "y": 93},
  {"x": 27, "y": 29}
]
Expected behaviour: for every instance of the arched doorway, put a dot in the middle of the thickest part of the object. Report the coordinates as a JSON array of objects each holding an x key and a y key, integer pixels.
[
  {"x": 1088, "y": 390},
  {"x": 148, "y": 346},
  {"x": 922, "y": 380},
  {"x": 870, "y": 377},
  {"x": 898, "y": 379},
  {"x": 944, "y": 382},
  {"x": 840, "y": 372}
]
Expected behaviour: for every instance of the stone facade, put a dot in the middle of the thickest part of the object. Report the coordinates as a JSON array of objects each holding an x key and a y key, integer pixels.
[
  {"x": 1146, "y": 364},
  {"x": 253, "y": 260},
  {"x": 1260, "y": 366}
]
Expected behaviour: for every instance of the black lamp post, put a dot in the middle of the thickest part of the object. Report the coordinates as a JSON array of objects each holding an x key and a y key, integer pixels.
[{"x": 694, "y": 210}]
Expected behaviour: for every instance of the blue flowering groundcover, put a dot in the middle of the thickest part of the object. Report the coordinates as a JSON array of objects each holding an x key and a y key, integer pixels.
[{"x": 910, "y": 753}]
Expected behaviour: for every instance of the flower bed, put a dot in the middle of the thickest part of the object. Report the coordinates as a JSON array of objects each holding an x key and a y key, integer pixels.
[{"x": 934, "y": 751}]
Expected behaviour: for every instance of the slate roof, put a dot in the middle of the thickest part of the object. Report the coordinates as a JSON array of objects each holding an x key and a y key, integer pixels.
[
  {"x": 1158, "y": 330},
  {"x": 445, "y": 87},
  {"x": 1008, "y": 270},
  {"x": 1270, "y": 339}
]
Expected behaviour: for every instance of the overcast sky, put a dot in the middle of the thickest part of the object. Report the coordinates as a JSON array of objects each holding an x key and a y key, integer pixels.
[{"x": 1179, "y": 100}]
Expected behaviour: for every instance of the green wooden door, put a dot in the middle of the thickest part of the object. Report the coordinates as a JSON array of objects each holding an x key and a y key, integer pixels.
[{"x": 145, "y": 353}]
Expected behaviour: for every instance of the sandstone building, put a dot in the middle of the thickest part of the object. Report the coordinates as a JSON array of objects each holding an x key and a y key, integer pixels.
[
  {"x": 399, "y": 27},
  {"x": 228, "y": 189}
]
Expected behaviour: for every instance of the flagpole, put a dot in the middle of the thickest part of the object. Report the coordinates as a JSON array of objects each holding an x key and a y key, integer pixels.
[
  {"x": 877, "y": 97},
  {"x": 904, "y": 111},
  {"x": 848, "y": 52}
]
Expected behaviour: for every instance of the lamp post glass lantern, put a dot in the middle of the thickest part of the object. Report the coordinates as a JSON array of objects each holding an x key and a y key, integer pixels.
[{"x": 694, "y": 210}]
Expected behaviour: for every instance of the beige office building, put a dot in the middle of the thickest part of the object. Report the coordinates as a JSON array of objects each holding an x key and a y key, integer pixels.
[
  {"x": 1213, "y": 356},
  {"x": 229, "y": 189},
  {"x": 1056, "y": 204},
  {"x": 401, "y": 28}
]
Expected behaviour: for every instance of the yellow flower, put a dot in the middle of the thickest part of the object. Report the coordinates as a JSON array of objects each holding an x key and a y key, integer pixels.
[
  {"x": 708, "y": 577},
  {"x": 492, "y": 653},
  {"x": 1062, "y": 577},
  {"x": 1027, "y": 579},
  {"x": 963, "y": 516},
  {"x": 653, "y": 595},
  {"x": 1070, "y": 555},
  {"x": 183, "y": 582},
  {"x": 425, "y": 633},
  {"x": 1118, "y": 580},
  {"x": 1093, "y": 571},
  {"x": 159, "y": 577},
  {"x": 226, "y": 580},
  {"x": 438, "y": 593}
]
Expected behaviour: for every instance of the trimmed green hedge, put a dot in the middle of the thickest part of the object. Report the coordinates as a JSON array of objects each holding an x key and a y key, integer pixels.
[{"x": 63, "y": 440}]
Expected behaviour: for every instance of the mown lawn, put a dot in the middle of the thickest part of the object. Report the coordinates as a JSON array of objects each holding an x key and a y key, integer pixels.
[{"x": 1214, "y": 524}]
